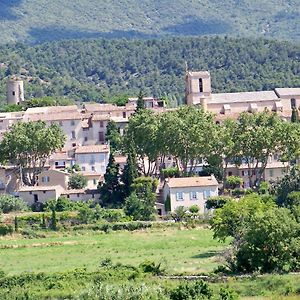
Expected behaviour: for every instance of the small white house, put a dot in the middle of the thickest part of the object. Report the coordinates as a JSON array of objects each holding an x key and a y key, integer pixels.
[{"x": 189, "y": 191}]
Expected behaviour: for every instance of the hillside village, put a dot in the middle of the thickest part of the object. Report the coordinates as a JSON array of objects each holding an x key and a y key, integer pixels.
[{"x": 86, "y": 145}]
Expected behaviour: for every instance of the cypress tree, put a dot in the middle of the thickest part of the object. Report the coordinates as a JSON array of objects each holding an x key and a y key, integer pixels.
[
  {"x": 130, "y": 171},
  {"x": 110, "y": 191},
  {"x": 295, "y": 116},
  {"x": 140, "y": 101},
  {"x": 16, "y": 224},
  {"x": 53, "y": 220}
]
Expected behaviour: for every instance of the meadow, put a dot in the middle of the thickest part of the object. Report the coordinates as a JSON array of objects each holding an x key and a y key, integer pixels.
[{"x": 190, "y": 251}]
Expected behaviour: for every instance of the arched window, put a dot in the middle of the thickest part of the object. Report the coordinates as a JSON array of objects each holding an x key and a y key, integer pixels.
[{"x": 293, "y": 103}]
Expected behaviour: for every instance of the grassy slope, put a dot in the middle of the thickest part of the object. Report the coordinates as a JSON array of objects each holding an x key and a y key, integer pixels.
[
  {"x": 190, "y": 251},
  {"x": 39, "y": 20}
]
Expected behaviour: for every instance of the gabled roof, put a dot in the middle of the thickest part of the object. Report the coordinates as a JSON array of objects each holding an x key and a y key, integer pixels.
[
  {"x": 92, "y": 149},
  {"x": 228, "y": 98},
  {"x": 192, "y": 182},
  {"x": 287, "y": 92}
]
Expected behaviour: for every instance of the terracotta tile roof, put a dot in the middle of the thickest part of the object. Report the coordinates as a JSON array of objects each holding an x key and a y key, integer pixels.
[
  {"x": 121, "y": 159},
  {"x": 92, "y": 149},
  {"x": 287, "y": 92},
  {"x": 192, "y": 182},
  {"x": 59, "y": 156},
  {"x": 70, "y": 192},
  {"x": 40, "y": 188},
  {"x": 72, "y": 115},
  {"x": 242, "y": 97},
  {"x": 51, "y": 109}
]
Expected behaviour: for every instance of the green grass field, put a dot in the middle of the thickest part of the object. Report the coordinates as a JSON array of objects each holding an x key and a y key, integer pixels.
[{"x": 184, "y": 251}]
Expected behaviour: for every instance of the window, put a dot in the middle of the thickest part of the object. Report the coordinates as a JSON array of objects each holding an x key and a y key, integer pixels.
[
  {"x": 44, "y": 192},
  {"x": 60, "y": 123},
  {"x": 200, "y": 85},
  {"x": 94, "y": 181},
  {"x": 124, "y": 114},
  {"x": 101, "y": 137},
  {"x": 193, "y": 195},
  {"x": 73, "y": 135},
  {"x": 13, "y": 93},
  {"x": 101, "y": 124},
  {"x": 85, "y": 138},
  {"x": 72, "y": 122},
  {"x": 46, "y": 179},
  {"x": 243, "y": 173},
  {"x": 92, "y": 161},
  {"x": 83, "y": 168},
  {"x": 293, "y": 103},
  {"x": 271, "y": 172},
  {"x": 179, "y": 196},
  {"x": 206, "y": 194},
  {"x": 93, "y": 168}
]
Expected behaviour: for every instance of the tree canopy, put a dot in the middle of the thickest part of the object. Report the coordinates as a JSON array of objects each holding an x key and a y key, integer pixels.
[{"x": 28, "y": 145}]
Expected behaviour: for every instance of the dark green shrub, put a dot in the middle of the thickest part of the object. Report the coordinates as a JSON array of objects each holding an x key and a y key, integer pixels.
[
  {"x": 151, "y": 267},
  {"x": 228, "y": 294},
  {"x": 191, "y": 290},
  {"x": 217, "y": 202},
  {"x": 6, "y": 229}
]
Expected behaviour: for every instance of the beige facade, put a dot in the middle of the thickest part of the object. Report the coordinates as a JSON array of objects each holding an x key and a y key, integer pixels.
[
  {"x": 52, "y": 178},
  {"x": 41, "y": 194},
  {"x": 198, "y": 92},
  {"x": 190, "y": 191}
]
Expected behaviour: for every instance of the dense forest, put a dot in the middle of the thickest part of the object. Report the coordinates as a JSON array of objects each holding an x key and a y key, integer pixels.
[
  {"x": 36, "y": 21},
  {"x": 96, "y": 70}
]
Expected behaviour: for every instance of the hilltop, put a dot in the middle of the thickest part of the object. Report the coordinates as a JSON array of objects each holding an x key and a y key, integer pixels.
[{"x": 35, "y": 21}]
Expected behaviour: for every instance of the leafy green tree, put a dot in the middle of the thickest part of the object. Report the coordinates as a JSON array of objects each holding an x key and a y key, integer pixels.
[
  {"x": 231, "y": 219},
  {"x": 10, "y": 203},
  {"x": 233, "y": 182},
  {"x": 270, "y": 243},
  {"x": 258, "y": 135},
  {"x": 140, "y": 204},
  {"x": 53, "y": 220},
  {"x": 77, "y": 181},
  {"x": 113, "y": 136},
  {"x": 110, "y": 191},
  {"x": 142, "y": 135},
  {"x": 28, "y": 145},
  {"x": 186, "y": 135},
  {"x": 217, "y": 202}
]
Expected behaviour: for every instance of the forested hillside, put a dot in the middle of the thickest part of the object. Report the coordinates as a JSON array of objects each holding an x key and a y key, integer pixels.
[
  {"x": 97, "y": 69},
  {"x": 37, "y": 21}
]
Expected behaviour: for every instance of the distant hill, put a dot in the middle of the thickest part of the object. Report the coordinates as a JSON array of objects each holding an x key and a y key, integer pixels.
[
  {"x": 36, "y": 21},
  {"x": 99, "y": 69}
]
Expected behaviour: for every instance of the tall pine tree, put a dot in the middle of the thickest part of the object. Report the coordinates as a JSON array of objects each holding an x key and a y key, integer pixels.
[{"x": 110, "y": 191}]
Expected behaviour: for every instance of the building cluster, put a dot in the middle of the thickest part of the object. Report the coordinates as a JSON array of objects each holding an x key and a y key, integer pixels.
[{"x": 85, "y": 130}]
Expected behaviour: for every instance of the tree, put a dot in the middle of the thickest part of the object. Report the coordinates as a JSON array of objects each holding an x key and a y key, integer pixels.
[
  {"x": 28, "y": 145},
  {"x": 233, "y": 182},
  {"x": 113, "y": 136},
  {"x": 287, "y": 184},
  {"x": 257, "y": 136},
  {"x": 110, "y": 191},
  {"x": 230, "y": 220},
  {"x": 130, "y": 171},
  {"x": 140, "y": 104},
  {"x": 140, "y": 204},
  {"x": 186, "y": 134},
  {"x": 143, "y": 135},
  {"x": 295, "y": 115},
  {"x": 77, "y": 181},
  {"x": 270, "y": 243}
]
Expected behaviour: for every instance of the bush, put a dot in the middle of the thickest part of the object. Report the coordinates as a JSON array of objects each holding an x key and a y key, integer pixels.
[
  {"x": 151, "y": 267},
  {"x": 233, "y": 182},
  {"x": 170, "y": 172},
  {"x": 9, "y": 203},
  {"x": 191, "y": 290},
  {"x": 217, "y": 202},
  {"x": 6, "y": 229}
]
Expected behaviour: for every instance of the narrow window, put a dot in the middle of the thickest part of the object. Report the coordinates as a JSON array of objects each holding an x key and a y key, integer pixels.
[
  {"x": 101, "y": 124},
  {"x": 193, "y": 195},
  {"x": 73, "y": 135},
  {"x": 200, "y": 85},
  {"x": 72, "y": 122},
  {"x": 293, "y": 103}
]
